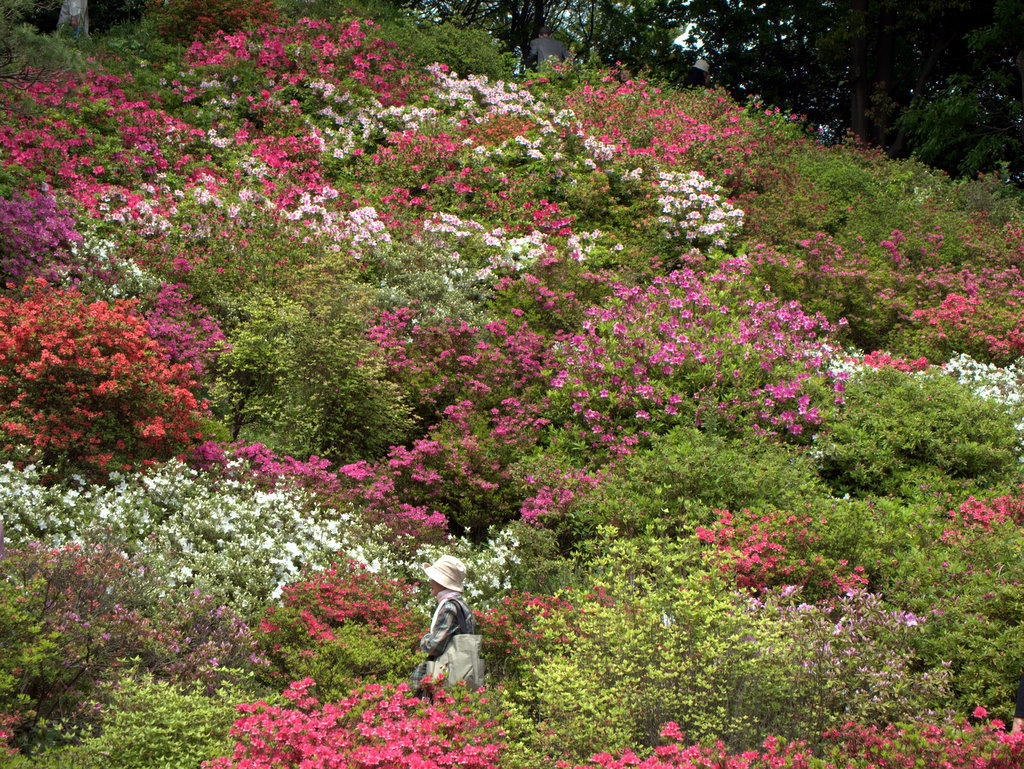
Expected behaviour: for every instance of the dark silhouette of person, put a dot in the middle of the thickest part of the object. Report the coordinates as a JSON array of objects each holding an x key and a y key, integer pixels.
[
  {"x": 698, "y": 75},
  {"x": 545, "y": 47}
]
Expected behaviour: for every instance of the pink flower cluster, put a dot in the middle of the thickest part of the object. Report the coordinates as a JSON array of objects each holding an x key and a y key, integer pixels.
[{"x": 374, "y": 726}]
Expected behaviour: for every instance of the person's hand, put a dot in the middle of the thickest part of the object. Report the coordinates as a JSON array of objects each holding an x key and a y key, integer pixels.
[
  {"x": 74, "y": 22},
  {"x": 1018, "y": 725}
]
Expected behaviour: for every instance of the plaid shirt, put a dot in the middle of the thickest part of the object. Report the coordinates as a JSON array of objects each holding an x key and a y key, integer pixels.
[{"x": 434, "y": 642}]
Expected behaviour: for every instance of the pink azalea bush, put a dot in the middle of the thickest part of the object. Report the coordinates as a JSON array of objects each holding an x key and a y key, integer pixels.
[{"x": 372, "y": 726}]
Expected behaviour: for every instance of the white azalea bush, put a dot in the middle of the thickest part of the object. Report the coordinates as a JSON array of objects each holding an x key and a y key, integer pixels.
[
  {"x": 224, "y": 536},
  {"x": 693, "y": 208}
]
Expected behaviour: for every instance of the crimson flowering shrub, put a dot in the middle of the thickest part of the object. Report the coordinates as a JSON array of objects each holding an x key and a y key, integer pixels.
[
  {"x": 372, "y": 726},
  {"x": 959, "y": 745},
  {"x": 677, "y": 753},
  {"x": 85, "y": 388},
  {"x": 183, "y": 21},
  {"x": 35, "y": 237},
  {"x": 345, "y": 624},
  {"x": 953, "y": 746},
  {"x": 773, "y": 548}
]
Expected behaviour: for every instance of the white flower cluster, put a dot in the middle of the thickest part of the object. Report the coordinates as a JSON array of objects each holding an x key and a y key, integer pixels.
[
  {"x": 498, "y": 252},
  {"x": 693, "y": 208},
  {"x": 224, "y": 536},
  {"x": 986, "y": 380},
  {"x": 476, "y": 94}
]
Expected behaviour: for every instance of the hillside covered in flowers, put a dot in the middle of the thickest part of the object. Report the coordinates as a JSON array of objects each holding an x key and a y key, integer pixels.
[{"x": 725, "y": 423}]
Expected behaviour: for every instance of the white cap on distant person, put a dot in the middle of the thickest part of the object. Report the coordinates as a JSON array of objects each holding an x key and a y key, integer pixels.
[
  {"x": 447, "y": 571},
  {"x": 702, "y": 65}
]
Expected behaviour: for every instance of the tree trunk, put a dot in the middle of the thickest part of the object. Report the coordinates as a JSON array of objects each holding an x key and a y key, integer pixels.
[
  {"x": 859, "y": 68},
  {"x": 880, "y": 95},
  {"x": 1020, "y": 70}
]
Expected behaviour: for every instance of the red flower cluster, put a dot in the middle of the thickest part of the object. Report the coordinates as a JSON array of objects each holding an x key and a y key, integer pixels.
[
  {"x": 375, "y": 726},
  {"x": 84, "y": 387}
]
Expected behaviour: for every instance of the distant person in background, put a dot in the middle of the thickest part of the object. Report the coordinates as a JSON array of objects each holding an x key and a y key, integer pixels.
[
  {"x": 1018, "y": 714},
  {"x": 75, "y": 14},
  {"x": 545, "y": 47},
  {"x": 698, "y": 75}
]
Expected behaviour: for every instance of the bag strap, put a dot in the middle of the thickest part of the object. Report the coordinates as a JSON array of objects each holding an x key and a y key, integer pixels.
[{"x": 461, "y": 615}]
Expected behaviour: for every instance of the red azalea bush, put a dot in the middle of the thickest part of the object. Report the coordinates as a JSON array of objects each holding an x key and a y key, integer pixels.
[
  {"x": 948, "y": 746},
  {"x": 85, "y": 388},
  {"x": 345, "y": 624},
  {"x": 374, "y": 726},
  {"x": 182, "y": 21},
  {"x": 760, "y": 550},
  {"x": 510, "y": 638}
]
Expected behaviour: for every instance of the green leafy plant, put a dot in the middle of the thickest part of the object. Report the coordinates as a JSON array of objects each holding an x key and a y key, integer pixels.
[{"x": 932, "y": 435}]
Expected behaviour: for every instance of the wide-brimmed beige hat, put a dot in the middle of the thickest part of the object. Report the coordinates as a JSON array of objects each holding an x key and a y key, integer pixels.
[{"x": 447, "y": 571}]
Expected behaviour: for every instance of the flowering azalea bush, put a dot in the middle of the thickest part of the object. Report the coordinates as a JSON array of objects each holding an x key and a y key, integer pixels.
[
  {"x": 84, "y": 387},
  {"x": 36, "y": 237},
  {"x": 372, "y": 725},
  {"x": 346, "y": 625}
]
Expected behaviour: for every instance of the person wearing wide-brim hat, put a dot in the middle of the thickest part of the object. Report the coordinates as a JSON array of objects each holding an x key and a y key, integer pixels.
[
  {"x": 452, "y": 615},
  {"x": 699, "y": 75}
]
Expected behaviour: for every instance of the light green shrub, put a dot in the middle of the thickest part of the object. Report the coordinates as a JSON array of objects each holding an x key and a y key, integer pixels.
[
  {"x": 652, "y": 642},
  {"x": 303, "y": 374},
  {"x": 151, "y": 724},
  {"x": 658, "y": 639}
]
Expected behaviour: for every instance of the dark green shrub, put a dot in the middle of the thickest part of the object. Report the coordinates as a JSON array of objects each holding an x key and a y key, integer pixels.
[
  {"x": 465, "y": 51},
  {"x": 186, "y": 20},
  {"x": 905, "y": 434},
  {"x": 687, "y": 474},
  {"x": 963, "y": 569}
]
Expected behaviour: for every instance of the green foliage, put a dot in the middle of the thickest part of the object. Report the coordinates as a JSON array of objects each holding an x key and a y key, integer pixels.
[
  {"x": 465, "y": 51},
  {"x": 152, "y": 724},
  {"x": 305, "y": 375},
  {"x": 652, "y": 642},
  {"x": 909, "y": 434},
  {"x": 686, "y": 474},
  {"x": 344, "y": 662},
  {"x": 961, "y": 568}
]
